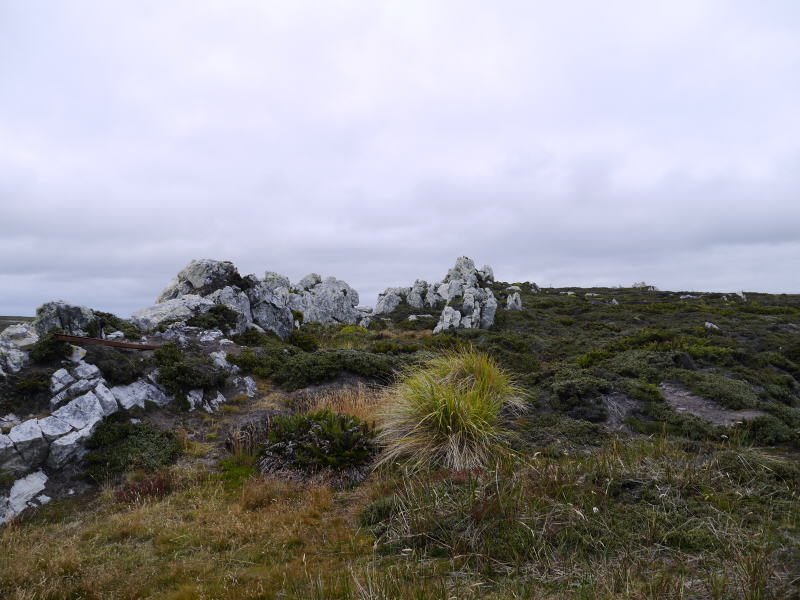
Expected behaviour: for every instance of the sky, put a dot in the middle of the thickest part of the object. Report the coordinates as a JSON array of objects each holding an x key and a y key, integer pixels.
[{"x": 567, "y": 143}]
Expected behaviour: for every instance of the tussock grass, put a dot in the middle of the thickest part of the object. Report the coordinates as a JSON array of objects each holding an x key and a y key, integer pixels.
[
  {"x": 360, "y": 401},
  {"x": 448, "y": 412}
]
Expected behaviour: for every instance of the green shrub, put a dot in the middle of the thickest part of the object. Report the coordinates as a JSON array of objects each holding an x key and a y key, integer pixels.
[
  {"x": 730, "y": 393},
  {"x": 180, "y": 371},
  {"x": 119, "y": 446},
  {"x": 35, "y": 383},
  {"x": 448, "y": 413},
  {"x": 119, "y": 367},
  {"x": 316, "y": 441},
  {"x": 263, "y": 362},
  {"x": 307, "y": 368},
  {"x": 108, "y": 322},
  {"x": 769, "y": 431},
  {"x": 48, "y": 349},
  {"x": 305, "y": 340},
  {"x": 253, "y": 337},
  {"x": 218, "y": 316}
]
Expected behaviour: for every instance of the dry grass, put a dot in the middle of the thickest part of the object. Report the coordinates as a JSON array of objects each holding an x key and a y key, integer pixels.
[
  {"x": 448, "y": 413},
  {"x": 360, "y": 401}
]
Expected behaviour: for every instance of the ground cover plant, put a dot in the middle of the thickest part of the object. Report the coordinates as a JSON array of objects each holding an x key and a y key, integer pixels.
[{"x": 608, "y": 487}]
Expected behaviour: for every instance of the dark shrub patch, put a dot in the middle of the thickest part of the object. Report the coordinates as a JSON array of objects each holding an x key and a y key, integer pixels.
[
  {"x": 106, "y": 323},
  {"x": 769, "y": 431},
  {"x": 305, "y": 340},
  {"x": 119, "y": 446},
  {"x": 218, "y": 317},
  {"x": 319, "y": 440},
  {"x": 119, "y": 367},
  {"x": 253, "y": 337},
  {"x": 48, "y": 349},
  {"x": 307, "y": 368},
  {"x": 34, "y": 383},
  {"x": 184, "y": 370},
  {"x": 730, "y": 393}
]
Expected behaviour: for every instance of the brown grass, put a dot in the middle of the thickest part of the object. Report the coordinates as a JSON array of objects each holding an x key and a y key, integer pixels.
[{"x": 361, "y": 401}]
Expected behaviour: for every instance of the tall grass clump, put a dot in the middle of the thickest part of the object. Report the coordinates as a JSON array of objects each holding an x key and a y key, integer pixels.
[{"x": 448, "y": 413}]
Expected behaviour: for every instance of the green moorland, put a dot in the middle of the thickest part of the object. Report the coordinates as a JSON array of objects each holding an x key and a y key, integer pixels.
[{"x": 538, "y": 459}]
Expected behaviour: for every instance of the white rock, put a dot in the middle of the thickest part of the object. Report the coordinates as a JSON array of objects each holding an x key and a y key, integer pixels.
[
  {"x": 213, "y": 404},
  {"x": 328, "y": 301},
  {"x": 77, "y": 353},
  {"x": 108, "y": 403},
  {"x": 195, "y": 399},
  {"x": 137, "y": 393},
  {"x": 12, "y": 359},
  {"x": 60, "y": 379},
  {"x": 710, "y": 325},
  {"x": 514, "y": 302},
  {"x": 450, "y": 319},
  {"x": 10, "y": 460},
  {"x": 210, "y": 335},
  {"x": 69, "y": 447},
  {"x": 238, "y": 302},
  {"x": 53, "y": 427},
  {"x": 178, "y": 309},
  {"x": 513, "y": 288},
  {"x": 275, "y": 280},
  {"x": 30, "y": 443},
  {"x": 487, "y": 274},
  {"x": 9, "y": 420},
  {"x": 115, "y": 336},
  {"x": 309, "y": 281},
  {"x": 70, "y": 318},
  {"x": 84, "y": 411},
  {"x": 22, "y": 492},
  {"x": 201, "y": 277},
  {"x": 86, "y": 371},
  {"x": 220, "y": 359},
  {"x": 535, "y": 288},
  {"x": 76, "y": 389},
  {"x": 21, "y": 335},
  {"x": 614, "y": 302}
]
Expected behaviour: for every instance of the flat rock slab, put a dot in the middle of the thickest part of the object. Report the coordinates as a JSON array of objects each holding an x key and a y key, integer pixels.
[{"x": 684, "y": 401}]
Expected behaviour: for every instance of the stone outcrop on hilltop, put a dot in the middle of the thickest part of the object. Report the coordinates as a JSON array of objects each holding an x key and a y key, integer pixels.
[
  {"x": 266, "y": 303},
  {"x": 204, "y": 283},
  {"x": 58, "y": 314},
  {"x": 465, "y": 300}
]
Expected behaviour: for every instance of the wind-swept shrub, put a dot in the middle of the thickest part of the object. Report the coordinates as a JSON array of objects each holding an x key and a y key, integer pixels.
[
  {"x": 218, "y": 317},
  {"x": 182, "y": 370},
  {"x": 48, "y": 349},
  {"x": 448, "y": 413},
  {"x": 316, "y": 441}
]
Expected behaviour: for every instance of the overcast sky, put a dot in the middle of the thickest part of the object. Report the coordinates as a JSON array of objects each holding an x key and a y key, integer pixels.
[{"x": 567, "y": 143}]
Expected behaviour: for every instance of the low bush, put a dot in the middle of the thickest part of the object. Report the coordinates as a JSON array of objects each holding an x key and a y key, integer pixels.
[
  {"x": 307, "y": 368},
  {"x": 182, "y": 370},
  {"x": 119, "y": 367},
  {"x": 107, "y": 322},
  {"x": 253, "y": 338},
  {"x": 316, "y": 441},
  {"x": 449, "y": 412},
  {"x": 119, "y": 446},
  {"x": 769, "y": 431},
  {"x": 219, "y": 317},
  {"x": 305, "y": 340},
  {"x": 48, "y": 349},
  {"x": 726, "y": 391}
]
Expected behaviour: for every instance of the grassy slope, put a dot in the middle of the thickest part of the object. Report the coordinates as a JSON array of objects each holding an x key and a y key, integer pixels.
[{"x": 584, "y": 513}]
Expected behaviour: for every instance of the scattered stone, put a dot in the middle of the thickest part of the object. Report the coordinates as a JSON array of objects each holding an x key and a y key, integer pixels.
[
  {"x": 513, "y": 288},
  {"x": 137, "y": 393},
  {"x": 30, "y": 443},
  {"x": 9, "y": 420},
  {"x": 535, "y": 288},
  {"x": 86, "y": 371},
  {"x": 742, "y": 296},
  {"x": 710, "y": 325},
  {"x": 12, "y": 359},
  {"x": 115, "y": 336},
  {"x": 514, "y": 302},
  {"x": 108, "y": 403},
  {"x": 76, "y": 354},
  {"x": 614, "y": 302},
  {"x": 22, "y": 493},
  {"x": 76, "y": 389},
  {"x": 60, "y": 379}
]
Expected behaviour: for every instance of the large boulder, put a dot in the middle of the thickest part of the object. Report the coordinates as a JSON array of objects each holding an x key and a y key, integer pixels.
[
  {"x": 269, "y": 309},
  {"x": 514, "y": 301},
  {"x": 201, "y": 277},
  {"x": 177, "y": 309},
  {"x": 70, "y": 318},
  {"x": 30, "y": 443},
  {"x": 21, "y": 335},
  {"x": 12, "y": 359},
  {"x": 325, "y": 301}
]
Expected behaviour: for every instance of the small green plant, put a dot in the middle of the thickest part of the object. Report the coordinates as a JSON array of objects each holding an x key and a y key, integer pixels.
[
  {"x": 48, "y": 349},
  {"x": 253, "y": 338},
  {"x": 120, "y": 446},
  {"x": 119, "y": 367},
  {"x": 316, "y": 441},
  {"x": 108, "y": 322},
  {"x": 448, "y": 413},
  {"x": 219, "y": 317},
  {"x": 305, "y": 340},
  {"x": 308, "y": 368},
  {"x": 180, "y": 371}
]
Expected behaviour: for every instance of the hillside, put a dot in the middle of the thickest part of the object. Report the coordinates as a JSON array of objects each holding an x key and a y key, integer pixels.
[{"x": 656, "y": 455}]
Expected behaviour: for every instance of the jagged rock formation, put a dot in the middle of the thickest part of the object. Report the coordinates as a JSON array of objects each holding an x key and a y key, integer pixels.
[
  {"x": 328, "y": 300},
  {"x": 204, "y": 283},
  {"x": 58, "y": 314},
  {"x": 514, "y": 301}
]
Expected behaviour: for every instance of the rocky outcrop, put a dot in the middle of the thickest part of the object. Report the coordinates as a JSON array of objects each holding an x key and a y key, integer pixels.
[
  {"x": 328, "y": 300},
  {"x": 201, "y": 277},
  {"x": 22, "y": 335},
  {"x": 12, "y": 359},
  {"x": 514, "y": 301},
  {"x": 468, "y": 305},
  {"x": 57, "y": 314},
  {"x": 204, "y": 283}
]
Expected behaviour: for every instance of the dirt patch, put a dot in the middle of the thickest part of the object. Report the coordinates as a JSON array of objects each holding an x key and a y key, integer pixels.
[{"x": 684, "y": 401}]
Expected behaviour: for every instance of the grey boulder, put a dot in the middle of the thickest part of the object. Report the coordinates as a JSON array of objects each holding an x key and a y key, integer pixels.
[
  {"x": 21, "y": 335},
  {"x": 201, "y": 277},
  {"x": 58, "y": 314}
]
